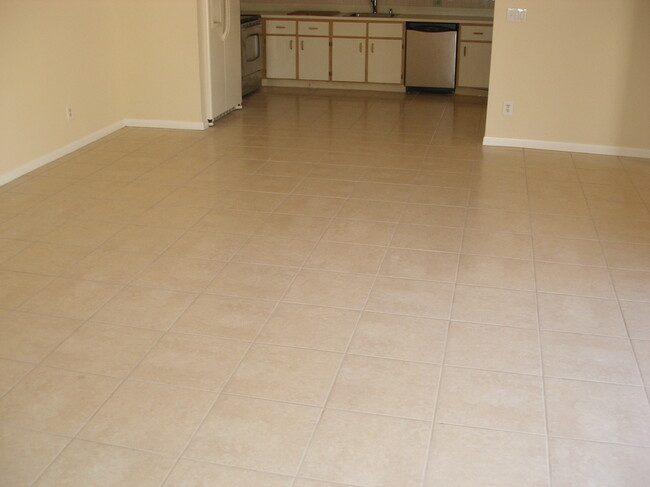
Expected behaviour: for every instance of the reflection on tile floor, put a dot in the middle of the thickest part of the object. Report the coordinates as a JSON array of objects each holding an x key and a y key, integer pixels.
[{"x": 326, "y": 289}]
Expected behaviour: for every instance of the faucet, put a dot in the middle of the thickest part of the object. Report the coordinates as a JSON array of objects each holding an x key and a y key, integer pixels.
[{"x": 374, "y": 6}]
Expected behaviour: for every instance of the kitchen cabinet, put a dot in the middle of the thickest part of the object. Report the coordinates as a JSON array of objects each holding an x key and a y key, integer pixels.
[
  {"x": 348, "y": 59},
  {"x": 384, "y": 61},
  {"x": 474, "y": 55},
  {"x": 314, "y": 58},
  {"x": 280, "y": 57}
]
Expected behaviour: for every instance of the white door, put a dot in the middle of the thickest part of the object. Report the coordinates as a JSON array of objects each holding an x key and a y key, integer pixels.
[
  {"x": 385, "y": 61},
  {"x": 224, "y": 52},
  {"x": 314, "y": 58},
  {"x": 281, "y": 57},
  {"x": 348, "y": 59}
]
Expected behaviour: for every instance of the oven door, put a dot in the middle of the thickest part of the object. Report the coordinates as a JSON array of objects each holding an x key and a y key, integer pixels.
[{"x": 251, "y": 48}]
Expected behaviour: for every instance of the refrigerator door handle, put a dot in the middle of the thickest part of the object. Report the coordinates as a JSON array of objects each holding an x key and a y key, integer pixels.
[
  {"x": 227, "y": 21},
  {"x": 216, "y": 11}
]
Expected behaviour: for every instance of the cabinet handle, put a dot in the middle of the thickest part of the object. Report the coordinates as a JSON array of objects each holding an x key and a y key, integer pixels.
[
  {"x": 361, "y": 47},
  {"x": 280, "y": 26},
  {"x": 291, "y": 44},
  {"x": 465, "y": 51},
  {"x": 372, "y": 47},
  {"x": 312, "y": 28},
  {"x": 302, "y": 45},
  {"x": 477, "y": 33}
]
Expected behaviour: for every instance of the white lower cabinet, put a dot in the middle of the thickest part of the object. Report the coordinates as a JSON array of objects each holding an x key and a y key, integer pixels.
[
  {"x": 474, "y": 64},
  {"x": 281, "y": 57},
  {"x": 385, "y": 61},
  {"x": 348, "y": 59},
  {"x": 314, "y": 58}
]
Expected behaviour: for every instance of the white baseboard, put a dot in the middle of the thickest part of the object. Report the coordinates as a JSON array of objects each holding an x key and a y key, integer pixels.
[
  {"x": 609, "y": 150},
  {"x": 58, "y": 153},
  {"x": 333, "y": 85},
  {"x": 78, "y": 144},
  {"x": 165, "y": 124}
]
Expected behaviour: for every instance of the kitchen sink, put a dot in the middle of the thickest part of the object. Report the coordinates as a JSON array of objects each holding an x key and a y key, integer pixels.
[{"x": 370, "y": 14}]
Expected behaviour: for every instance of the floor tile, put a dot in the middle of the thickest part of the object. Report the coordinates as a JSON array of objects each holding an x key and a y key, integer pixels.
[
  {"x": 11, "y": 372},
  {"x": 580, "y": 315},
  {"x": 595, "y": 411},
  {"x": 563, "y": 226},
  {"x": 285, "y": 374},
  {"x": 642, "y": 352},
  {"x": 488, "y": 347},
  {"x": 352, "y": 448},
  {"x": 315, "y": 327},
  {"x": 597, "y": 464},
  {"x": 70, "y": 298},
  {"x": 210, "y": 245},
  {"x": 25, "y": 454},
  {"x": 254, "y": 433},
  {"x": 499, "y": 272},
  {"x": 494, "y": 400},
  {"x": 274, "y": 251},
  {"x": 445, "y": 216},
  {"x": 45, "y": 258},
  {"x": 573, "y": 279},
  {"x": 102, "y": 349},
  {"x": 419, "y": 264},
  {"x": 144, "y": 308},
  {"x": 55, "y": 401},
  {"x": 225, "y": 317},
  {"x": 495, "y": 306},
  {"x": 399, "y": 337},
  {"x": 135, "y": 238},
  {"x": 471, "y": 456},
  {"x": 631, "y": 285},
  {"x": 342, "y": 257},
  {"x": 310, "y": 206},
  {"x": 383, "y": 386},
  {"x": 424, "y": 237},
  {"x": 568, "y": 251},
  {"x": 18, "y": 287},
  {"x": 495, "y": 244},
  {"x": 360, "y": 232},
  {"x": 85, "y": 463},
  {"x": 628, "y": 256},
  {"x": 83, "y": 233},
  {"x": 146, "y": 416},
  {"x": 410, "y": 297},
  {"x": 498, "y": 221},
  {"x": 253, "y": 281},
  {"x": 191, "y": 361},
  {"x": 188, "y": 473},
  {"x": 586, "y": 357},
  {"x": 179, "y": 274},
  {"x": 637, "y": 319},
  {"x": 325, "y": 288},
  {"x": 293, "y": 226},
  {"x": 30, "y": 337},
  {"x": 111, "y": 266}
]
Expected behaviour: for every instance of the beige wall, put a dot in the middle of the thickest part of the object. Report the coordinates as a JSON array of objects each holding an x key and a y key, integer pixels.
[
  {"x": 109, "y": 59},
  {"x": 53, "y": 54},
  {"x": 577, "y": 71},
  {"x": 159, "y": 60}
]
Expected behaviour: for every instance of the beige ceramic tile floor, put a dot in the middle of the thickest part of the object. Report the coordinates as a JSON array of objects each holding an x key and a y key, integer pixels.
[{"x": 326, "y": 289}]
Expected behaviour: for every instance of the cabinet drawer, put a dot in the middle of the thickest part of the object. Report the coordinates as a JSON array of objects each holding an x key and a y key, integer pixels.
[
  {"x": 349, "y": 29},
  {"x": 385, "y": 29},
  {"x": 476, "y": 33},
  {"x": 314, "y": 28},
  {"x": 281, "y": 27}
]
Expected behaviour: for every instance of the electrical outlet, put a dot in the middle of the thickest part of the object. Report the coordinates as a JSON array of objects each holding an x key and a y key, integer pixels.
[
  {"x": 508, "y": 107},
  {"x": 517, "y": 14},
  {"x": 68, "y": 112}
]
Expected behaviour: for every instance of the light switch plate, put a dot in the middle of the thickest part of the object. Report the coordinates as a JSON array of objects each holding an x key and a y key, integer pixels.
[{"x": 517, "y": 14}]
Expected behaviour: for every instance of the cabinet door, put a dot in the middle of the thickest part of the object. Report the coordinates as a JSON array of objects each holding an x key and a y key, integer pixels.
[
  {"x": 474, "y": 64},
  {"x": 314, "y": 58},
  {"x": 281, "y": 57},
  {"x": 384, "y": 61},
  {"x": 348, "y": 59}
]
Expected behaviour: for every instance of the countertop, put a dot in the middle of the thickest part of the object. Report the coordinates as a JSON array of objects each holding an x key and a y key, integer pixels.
[{"x": 459, "y": 19}]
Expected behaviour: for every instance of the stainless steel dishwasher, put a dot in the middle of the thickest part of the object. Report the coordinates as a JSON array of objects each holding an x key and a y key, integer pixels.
[{"x": 431, "y": 56}]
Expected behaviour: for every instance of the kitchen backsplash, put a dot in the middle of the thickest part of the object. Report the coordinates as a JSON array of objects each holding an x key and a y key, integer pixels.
[{"x": 356, "y": 4}]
